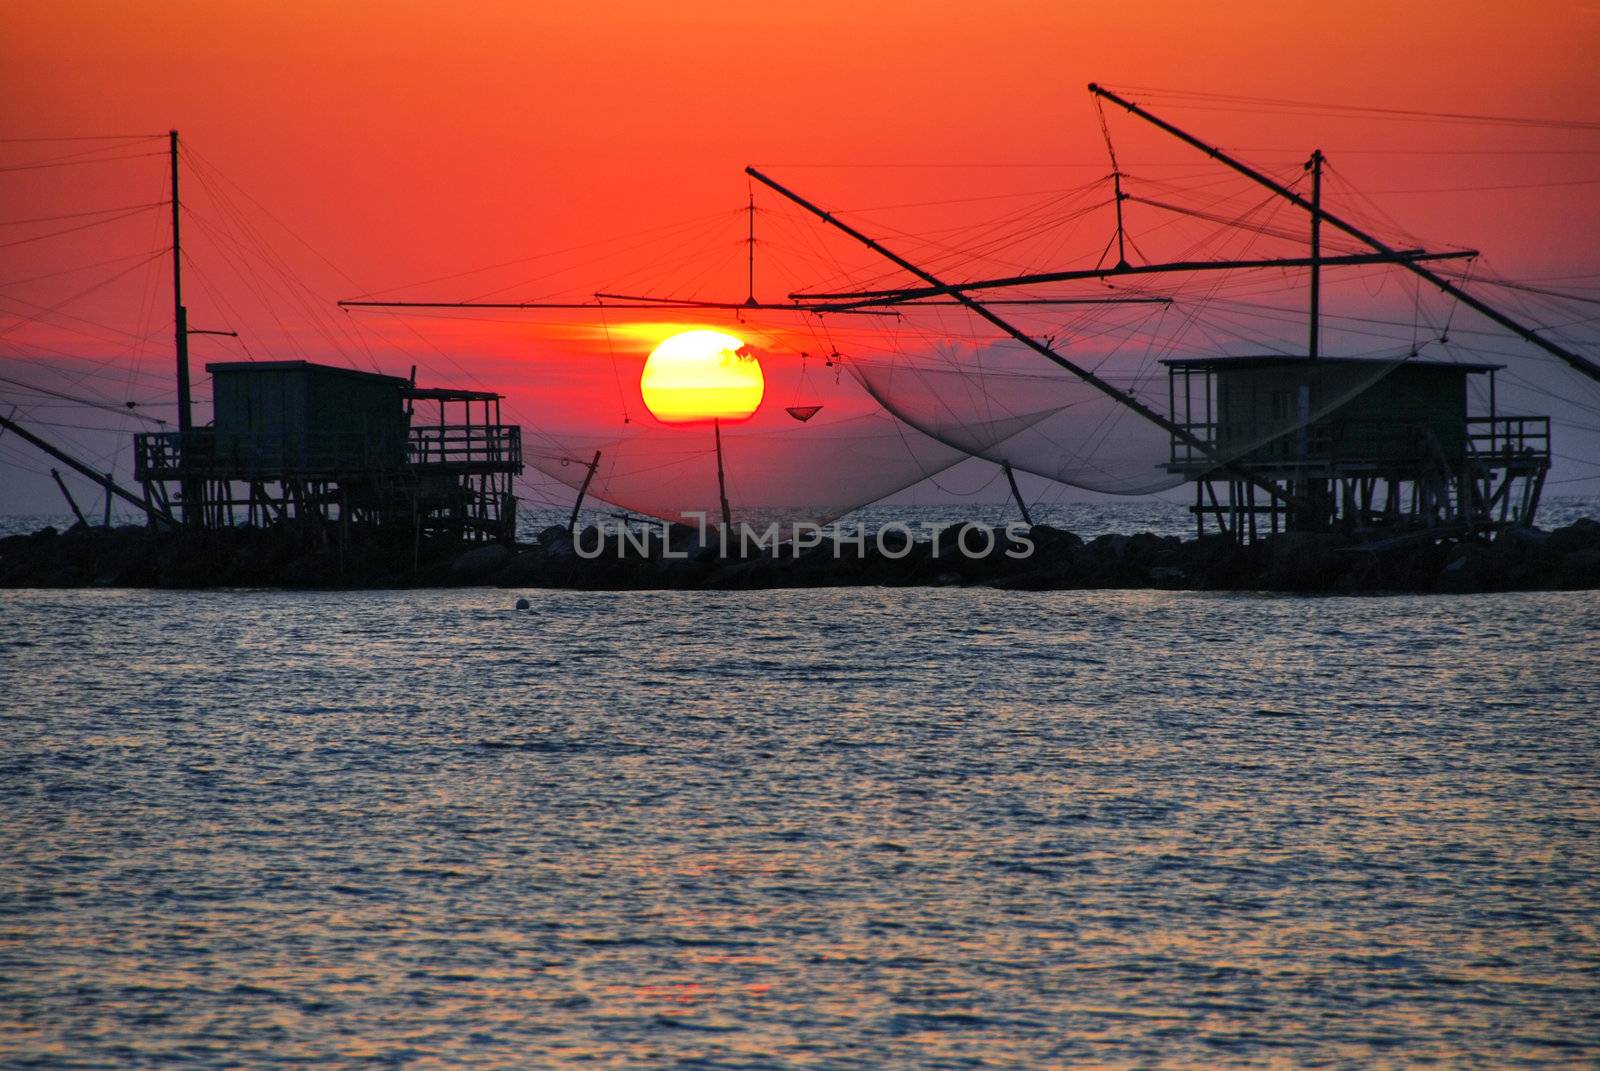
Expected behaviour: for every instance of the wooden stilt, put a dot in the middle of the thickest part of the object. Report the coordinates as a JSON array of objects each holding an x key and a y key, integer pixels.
[
  {"x": 1017, "y": 495},
  {"x": 76, "y": 512}
]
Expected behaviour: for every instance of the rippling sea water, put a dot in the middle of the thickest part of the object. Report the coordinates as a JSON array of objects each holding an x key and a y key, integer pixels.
[{"x": 823, "y": 829}]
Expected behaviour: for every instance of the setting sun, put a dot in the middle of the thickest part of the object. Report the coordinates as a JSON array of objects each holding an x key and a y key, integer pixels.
[{"x": 702, "y": 375}]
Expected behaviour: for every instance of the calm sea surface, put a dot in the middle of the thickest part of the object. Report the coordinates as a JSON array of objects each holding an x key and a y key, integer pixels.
[{"x": 826, "y": 829}]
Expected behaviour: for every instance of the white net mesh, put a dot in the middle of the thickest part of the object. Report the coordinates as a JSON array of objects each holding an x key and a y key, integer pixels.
[{"x": 815, "y": 471}]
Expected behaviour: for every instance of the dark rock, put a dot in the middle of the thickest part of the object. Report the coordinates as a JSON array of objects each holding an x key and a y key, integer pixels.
[
  {"x": 1581, "y": 534},
  {"x": 1055, "y": 576},
  {"x": 524, "y": 568},
  {"x": 1053, "y": 541},
  {"x": 1169, "y": 577},
  {"x": 1363, "y": 573},
  {"x": 480, "y": 561},
  {"x": 1304, "y": 561},
  {"x": 676, "y": 557},
  {"x": 1580, "y": 570},
  {"x": 1469, "y": 568},
  {"x": 1109, "y": 545},
  {"x": 683, "y": 539}
]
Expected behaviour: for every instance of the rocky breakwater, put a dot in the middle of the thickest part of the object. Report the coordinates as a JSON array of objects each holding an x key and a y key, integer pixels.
[
  {"x": 1043, "y": 558},
  {"x": 1040, "y": 558},
  {"x": 245, "y": 557}
]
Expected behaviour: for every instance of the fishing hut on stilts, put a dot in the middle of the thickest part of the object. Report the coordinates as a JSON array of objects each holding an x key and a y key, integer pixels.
[
  {"x": 335, "y": 450},
  {"x": 1399, "y": 452},
  {"x": 1357, "y": 444},
  {"x": 1380, "y": 447},
  {"x": 332, "y": 451}
]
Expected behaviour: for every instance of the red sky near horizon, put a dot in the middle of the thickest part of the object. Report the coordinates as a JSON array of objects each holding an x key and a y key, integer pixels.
[{"x": 415, "y": 149}]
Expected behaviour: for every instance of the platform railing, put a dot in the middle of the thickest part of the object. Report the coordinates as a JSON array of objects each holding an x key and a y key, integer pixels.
[
  {"x": 1509, "y": 438},
  {"x": 1217, "y": 443},
  {"x": 1355, "y": 442},
  {"x": 171, "y": 455},
  {"x": 479, "y": 446},
  {"x": 159, "y": 455},
  {"x": 204, "y": 454}
]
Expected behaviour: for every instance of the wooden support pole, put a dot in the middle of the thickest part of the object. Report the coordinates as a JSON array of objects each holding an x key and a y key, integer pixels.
[
  {"x": 859, "y": 300},
  {"x": 572, "y": 522},
  {"x": 79, "y": 467},
  {"x": 180, "y": 318},
  {"x": 76, "y": 512},
  {"x": 193, "y": 493},
  {"x": 1016, "y": 494},
  {"x": 1315, "y": 342},
  {"x": 750, "y": 260},
  {"x": 722, "y": 481},
  {"x": 1535, "y": 489},
  {"x": 1122, "y": 254}
]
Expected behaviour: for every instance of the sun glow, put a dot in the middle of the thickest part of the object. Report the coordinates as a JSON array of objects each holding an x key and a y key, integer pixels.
[{"x": 702, "y": 375}]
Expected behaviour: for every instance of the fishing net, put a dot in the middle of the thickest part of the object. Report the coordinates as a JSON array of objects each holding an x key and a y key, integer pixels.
[
  {"x": 811, "y": 472},
  {"x": 1084, "y": 436},
  {"x": 931, "y": 382}
]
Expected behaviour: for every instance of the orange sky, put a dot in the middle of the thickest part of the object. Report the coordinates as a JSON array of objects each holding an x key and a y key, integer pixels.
[{"x": 408, "y": 143}]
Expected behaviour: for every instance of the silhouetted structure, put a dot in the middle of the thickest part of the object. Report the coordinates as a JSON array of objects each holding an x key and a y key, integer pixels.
[
  {"x": 296, "y": 442},
  {"x": 1361, "y": 444}
]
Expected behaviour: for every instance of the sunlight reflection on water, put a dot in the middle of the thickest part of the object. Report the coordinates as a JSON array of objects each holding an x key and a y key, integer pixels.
[{"x": 852, "y": 828}]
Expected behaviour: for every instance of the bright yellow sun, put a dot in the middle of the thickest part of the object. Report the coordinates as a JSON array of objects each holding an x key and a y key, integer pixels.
[{"x": 702, "y": 375}]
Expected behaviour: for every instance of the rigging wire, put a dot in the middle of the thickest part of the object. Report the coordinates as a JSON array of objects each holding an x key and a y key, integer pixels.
[
  {"x": 1303, "y": 107},
  {"x": 616, "y": 372},
  {"x": 1003, "y": 245},
  {"x": 75, "y": 163},
  {"x": 124, "y": 410}
]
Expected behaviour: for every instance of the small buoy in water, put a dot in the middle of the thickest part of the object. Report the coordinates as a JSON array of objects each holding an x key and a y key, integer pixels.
[{"x": 522, "y": 604}]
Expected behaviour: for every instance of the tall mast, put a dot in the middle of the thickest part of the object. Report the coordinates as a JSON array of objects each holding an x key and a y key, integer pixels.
[
  {"x": 180, "y": 316},
  {"x": 750, "y": 262},
  {"x": 1315, "y": 164},
  {"x": 1116, "y": 183},
  {"x": 1577, "y": 361}
]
